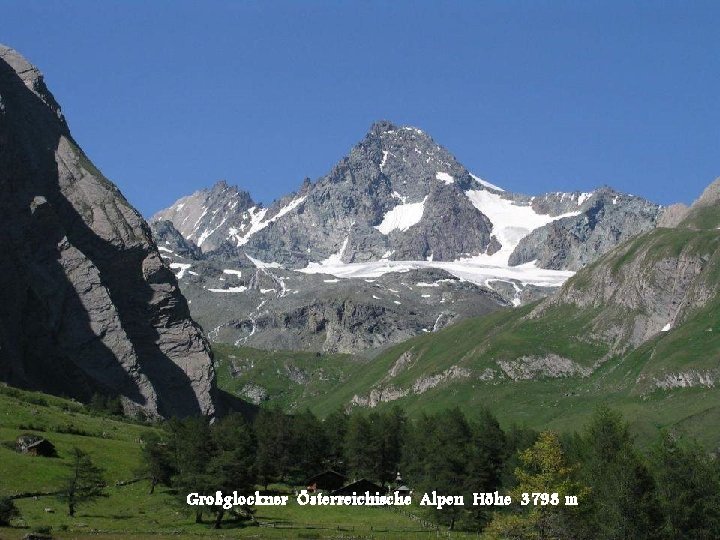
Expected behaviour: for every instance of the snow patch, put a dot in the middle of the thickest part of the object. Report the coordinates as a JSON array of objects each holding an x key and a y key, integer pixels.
[
  {"x": 583, "y": 197},
  {"x": 384, "y": 159},
  {"x": 486, "y": 183},
  {"x": 666, "y": 328},
  {"x": 237, "y": 273},
  {"x": 258, "y": 222},
  {"x": 444, "y": 177},
  {"x": 183, "y": 268},
  {"x": 260, "y": 264},
  {"x": 511, "y": 222},
  {"x": 475, "y": 270},
  {"x": 402, "y": 217}
]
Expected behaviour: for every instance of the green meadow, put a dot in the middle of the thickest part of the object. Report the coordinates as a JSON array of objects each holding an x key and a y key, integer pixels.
[{"x": 128, "y": 510}]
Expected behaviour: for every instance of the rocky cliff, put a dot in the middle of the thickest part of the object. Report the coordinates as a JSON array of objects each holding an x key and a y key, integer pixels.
[{"x": 88, "y": 305}]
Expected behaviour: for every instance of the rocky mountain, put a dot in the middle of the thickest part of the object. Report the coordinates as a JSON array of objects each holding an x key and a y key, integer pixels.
[
  {"x": 398, "y": 202},
  {"x": 400, "y": 196},
  {"x": 88, "y": 305},
  {"x": 639, "y": 327},
  {"x": 240, "y": 300},
  {"x": 653, "y": 283}
]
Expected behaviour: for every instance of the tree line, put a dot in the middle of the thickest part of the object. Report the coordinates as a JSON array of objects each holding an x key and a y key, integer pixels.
[
  {"x": 671, "y": 490},
  {"x": 666, "y": 491}
]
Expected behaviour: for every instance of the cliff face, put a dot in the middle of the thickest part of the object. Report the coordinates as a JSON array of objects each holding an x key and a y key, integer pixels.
[{"x": 87, "y": 303}]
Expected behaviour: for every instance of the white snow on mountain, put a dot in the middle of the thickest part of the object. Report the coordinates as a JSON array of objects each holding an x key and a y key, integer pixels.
[
  {"x": 486, "y": 183},
  {"x": 475, "y": 269},
  {"x": 444, "y": 177},
  {"x": 384, "y": 159},
  {"x": 258, "y": 221},
  {"x": 402, "y": 217},
  {"x": 261, "y": 264},
  {"x": 511, "y": 222},
  {"x": 256, "y": 224},
  {"x": 584, "y": 197},
  {"x": 183, "y": 267}
]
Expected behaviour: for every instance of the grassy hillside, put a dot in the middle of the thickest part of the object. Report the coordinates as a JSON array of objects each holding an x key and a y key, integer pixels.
[
  {"x": 291, "y": 379},
  {"x": 128, "y": 510},
  {"x": 600, "y": 340},
  {"x": 563, "y": 403}
]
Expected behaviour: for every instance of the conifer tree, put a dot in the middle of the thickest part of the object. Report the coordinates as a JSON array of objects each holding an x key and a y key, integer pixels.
[
  {"x": 84, "y": 481},
  {"x": 543, "y": 470}
]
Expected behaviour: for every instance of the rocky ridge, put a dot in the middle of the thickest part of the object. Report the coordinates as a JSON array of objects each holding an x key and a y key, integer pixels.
[
  {"x": 400, "y": 196},
  {"x": 88, "y": 304}
]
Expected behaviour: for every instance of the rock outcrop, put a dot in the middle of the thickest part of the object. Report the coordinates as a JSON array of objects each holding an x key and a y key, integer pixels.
[
  {"x": 88, "y": 305},
  {"x": 572, "y": 242}
]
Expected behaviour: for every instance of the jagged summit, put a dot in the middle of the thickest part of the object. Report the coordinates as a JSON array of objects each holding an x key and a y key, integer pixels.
[
  {"x": 382, "y": 126},
  {"x": 400, "y": 196}
]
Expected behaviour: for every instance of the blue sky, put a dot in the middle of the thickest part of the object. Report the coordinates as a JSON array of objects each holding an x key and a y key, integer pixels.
[{"x": 167, "y": 97}]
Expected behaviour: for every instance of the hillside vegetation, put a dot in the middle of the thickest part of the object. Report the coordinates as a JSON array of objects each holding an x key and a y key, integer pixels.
[{"x": 639, "y": 329}]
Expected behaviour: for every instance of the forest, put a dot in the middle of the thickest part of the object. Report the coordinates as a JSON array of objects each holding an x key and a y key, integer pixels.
[{"x": 669, "y": 489}]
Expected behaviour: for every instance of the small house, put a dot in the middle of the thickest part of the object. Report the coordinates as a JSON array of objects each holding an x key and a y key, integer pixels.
[
  {"x": 325, "y": 481},
  {"x": 399, "y": 486},
  {"x": 35, "y": 445}
]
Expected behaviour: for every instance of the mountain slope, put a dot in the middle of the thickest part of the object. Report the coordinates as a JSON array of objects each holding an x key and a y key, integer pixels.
[
  {"x": 88, "y": 304},
  {"x": 639, "y": 328}
]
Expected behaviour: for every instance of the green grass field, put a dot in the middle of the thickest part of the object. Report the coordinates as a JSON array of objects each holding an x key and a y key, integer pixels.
[{"x": 128, "y": 510}]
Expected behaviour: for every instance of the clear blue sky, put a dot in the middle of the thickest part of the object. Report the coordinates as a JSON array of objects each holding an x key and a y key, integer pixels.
[{"x": 167, "y": 97}]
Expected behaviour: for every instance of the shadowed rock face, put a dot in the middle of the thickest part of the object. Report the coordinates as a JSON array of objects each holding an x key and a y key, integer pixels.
[{"x": 87, "y": 304}]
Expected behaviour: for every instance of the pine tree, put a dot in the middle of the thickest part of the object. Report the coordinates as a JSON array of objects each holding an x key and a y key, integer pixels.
[
  {"x": 84, "y": 482},
  {"x": 335, "y": 427},
  {"x": 689, "y": 487},
  {"x": 358, "y": 447},
  {"x": 624, "y": 496},
  {"x": 274, "y": 446},
  {"x": 192, "y": 447},
  {"x": 232, "y": 465},
  {"x": 543, "y": 469},
  {"x": 156, "y": 461}
]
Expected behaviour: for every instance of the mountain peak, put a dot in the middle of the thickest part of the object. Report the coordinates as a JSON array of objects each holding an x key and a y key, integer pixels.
[
  {"x": 710, "y": 196},
  {"x": 382, "y": 126},
  {"x": 19, "y": 63},
  {"x": 31, "y": 78},
  {"x": 220, "y": 185}
]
